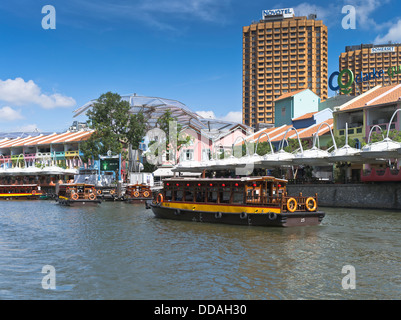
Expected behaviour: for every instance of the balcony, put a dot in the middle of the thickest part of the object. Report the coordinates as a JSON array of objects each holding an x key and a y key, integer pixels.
[
  {"x": 74, "y": 153},
  {"x": 43, "y": 155},
  {"x": 5, "y": 158},
  {"x": 351, "y": 131},
  {"x": 15, "y": 157},
  {"x": 58, "y": 154},
  {"x": 29, "y": 156},
  {"x": 382, "y": 124}
]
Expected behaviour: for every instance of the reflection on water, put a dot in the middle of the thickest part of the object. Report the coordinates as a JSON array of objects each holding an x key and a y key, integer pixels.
[{"x": 120, "y": 251}]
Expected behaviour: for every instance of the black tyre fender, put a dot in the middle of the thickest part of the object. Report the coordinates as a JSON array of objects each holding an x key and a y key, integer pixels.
[
  {"x": 218, "y": 215},
  {"x": 243, "y": 215},
  {"x": 272, "y": 216}
]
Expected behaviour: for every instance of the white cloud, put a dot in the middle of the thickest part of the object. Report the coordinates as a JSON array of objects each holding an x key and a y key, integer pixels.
[
  {"x": 9, "y": 114},
  {"x": 232, "y": 116},
  {"x": 364, "y": 10},
  {"x": 332, "y": 16},
  {"x": 207, "y": 114},
  {"x": 160, "y": 14},
  {"x": 19, "y": 92},
  {"x": 393, "y": 34},
  {"x": 27, "y": 128},
  {"x": 208, "y": 10},
  {"x": 305, "y": 9}
]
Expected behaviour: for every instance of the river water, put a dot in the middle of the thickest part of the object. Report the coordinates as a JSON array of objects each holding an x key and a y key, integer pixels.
[{"x": 121, "y": 251}]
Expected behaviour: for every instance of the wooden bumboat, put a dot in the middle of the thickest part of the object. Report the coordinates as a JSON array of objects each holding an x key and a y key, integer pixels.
[
  {"x": 256, "y": 201},
  {"x": 136, "y": 193},
  {"x": 20, "y": 192},
  {"x": 107, "y": 193},
  {"x": 79, "y": 194}
]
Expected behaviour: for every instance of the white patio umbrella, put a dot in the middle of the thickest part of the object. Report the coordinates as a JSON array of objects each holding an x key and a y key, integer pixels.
[
  {"x": 385, "y": 149},
  {"x": 315, "y": 156}
]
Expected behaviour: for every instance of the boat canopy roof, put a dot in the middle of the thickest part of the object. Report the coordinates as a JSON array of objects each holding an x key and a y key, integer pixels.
[
  {"x": 242, "y": 179},
  {"x": 77, "y": 185},
  {"x": 18, "y": 185}
]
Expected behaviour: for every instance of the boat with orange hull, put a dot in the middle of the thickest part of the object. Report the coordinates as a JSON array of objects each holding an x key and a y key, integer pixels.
[
  {"x": 20, "y": 192},
  {"x": 137, "y": 193},
  {"x": 253, "y": 201},
  {"x": 79, "y": 194}
]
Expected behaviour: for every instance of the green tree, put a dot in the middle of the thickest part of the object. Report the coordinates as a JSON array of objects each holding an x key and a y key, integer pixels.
[
  {"x": 395, "y": 135},
  {"x": 293, "y": 145},
  {"x": 263, "y": 148},
  {"x": 165, "y": 123},
  {"x": 115, "y": 127},
  {"x": 340, "y": 142},
  {"x": 241, "y": 149},
  {"x": 378, "y": 136}
]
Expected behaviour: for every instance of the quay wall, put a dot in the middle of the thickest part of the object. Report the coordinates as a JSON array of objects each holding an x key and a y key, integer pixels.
[{"x": 372, "y": 196}]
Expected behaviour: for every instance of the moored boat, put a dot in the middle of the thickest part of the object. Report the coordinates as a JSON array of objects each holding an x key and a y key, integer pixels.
[
  {"x": 256, "y": 201},
  {"x": 107, "y": 193},
  {"x": 20, "y": 192},
  {"x": 136, "y": 193},
  {"x": 77, "y": 194}
]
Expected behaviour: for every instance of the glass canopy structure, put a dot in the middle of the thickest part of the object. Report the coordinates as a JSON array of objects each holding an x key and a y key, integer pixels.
[{"x": 154, "y": 108}]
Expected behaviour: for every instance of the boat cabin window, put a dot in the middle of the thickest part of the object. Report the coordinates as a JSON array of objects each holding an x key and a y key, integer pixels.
[
  {"x": 200, "y": 196},
  {"x": 189, "y": 195},
  {"x": 212, "y": 195},
  {"x": 225, "y": 195},
  {"x": 168, "y": 195},
  {"x": 178, "y": 195},
  {"x": 238, "y": 194}
]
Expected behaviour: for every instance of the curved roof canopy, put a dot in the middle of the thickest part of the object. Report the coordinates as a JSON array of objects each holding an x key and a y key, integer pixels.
[{"x": 154, "y": 108}]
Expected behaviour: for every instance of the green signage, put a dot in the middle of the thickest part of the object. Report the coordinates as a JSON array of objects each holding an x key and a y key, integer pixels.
[{"x": 109, "y": 164}]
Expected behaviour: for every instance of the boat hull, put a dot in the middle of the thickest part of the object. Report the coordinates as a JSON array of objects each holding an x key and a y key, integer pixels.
[
  {"x": 15, "y": 198},
  {"x": 268, "y": 219},
  {"x": 21, "y": 196},
  {"x": 78, "y": 203},
  {"x": 138, "y": 200}
]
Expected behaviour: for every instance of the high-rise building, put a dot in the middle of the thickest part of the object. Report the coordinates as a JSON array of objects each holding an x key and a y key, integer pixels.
[
  {"x": 281, "y": 53},
  {"x": 370, "y": 65}
]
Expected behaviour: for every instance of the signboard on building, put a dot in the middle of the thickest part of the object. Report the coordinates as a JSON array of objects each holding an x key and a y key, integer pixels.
[
  {"x": 109, "y": 164},
  {"x": 382, "y": 49},
  {"x": 286, "y": 13}
]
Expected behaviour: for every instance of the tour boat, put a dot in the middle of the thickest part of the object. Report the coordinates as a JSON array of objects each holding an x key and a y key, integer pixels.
[
  {"x": 77, "y": 194},
  {"x": 138, "y": 193},
  {"x": 256, "y": 201},
  {"x": 20, "y": 192},
  {"x": 107, "y": 193}
]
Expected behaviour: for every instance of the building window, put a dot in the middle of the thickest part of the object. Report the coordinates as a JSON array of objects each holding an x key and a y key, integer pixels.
[{"x": 187, "y": 155}]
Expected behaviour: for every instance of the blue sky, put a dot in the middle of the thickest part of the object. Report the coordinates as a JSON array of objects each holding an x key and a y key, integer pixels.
[{"x": 188, "y": 50}]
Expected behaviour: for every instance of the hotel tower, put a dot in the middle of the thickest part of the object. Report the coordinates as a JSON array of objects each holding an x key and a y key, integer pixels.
[
  {"x": 281, "y": 53},
  {"x": 370, "y": 65}
]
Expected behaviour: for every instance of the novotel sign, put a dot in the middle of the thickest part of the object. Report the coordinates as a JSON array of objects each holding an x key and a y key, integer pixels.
[{"x": 286, "y": 13}]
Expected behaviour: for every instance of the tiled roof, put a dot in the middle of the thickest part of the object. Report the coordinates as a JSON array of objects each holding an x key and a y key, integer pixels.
[
  {"x": 277, "y": 134},
  {"x": 305, "y": 133},
  {"x": 306, "y": 116},
  {"x": 290, "y": 94},
  {"x": 375, "y": 96},
  {"x": 272, "y": 132},
  {"x": 53, "y": 138},
  {"x": 308, "y": 132}
]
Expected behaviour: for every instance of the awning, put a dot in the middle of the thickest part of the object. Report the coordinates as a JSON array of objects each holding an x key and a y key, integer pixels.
[{"x": 163, "y": 172}]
